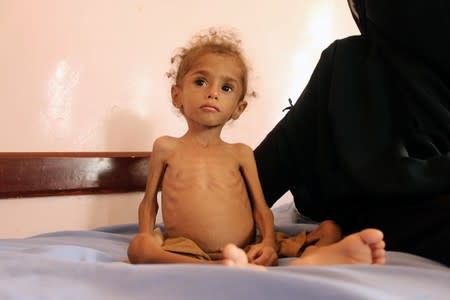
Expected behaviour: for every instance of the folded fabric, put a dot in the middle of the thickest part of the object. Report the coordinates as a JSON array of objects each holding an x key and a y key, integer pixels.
[{"x": 288, "y": 245}]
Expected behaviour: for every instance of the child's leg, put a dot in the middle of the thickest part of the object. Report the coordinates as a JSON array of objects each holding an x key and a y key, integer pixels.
[
  {"x": 145, "y": 249},
  {"x": 364, "y": 247},
  {"x": 327, "y": 233}
]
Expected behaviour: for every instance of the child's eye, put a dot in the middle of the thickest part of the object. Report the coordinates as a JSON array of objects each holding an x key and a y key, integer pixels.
[
  {"x": 200, "y": 82},
  {"x": 227, "y": 88}
]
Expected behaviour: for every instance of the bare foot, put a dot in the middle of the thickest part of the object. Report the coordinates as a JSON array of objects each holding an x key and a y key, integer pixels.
[
  {"x": 364, "y": 247},
  {"x": 236, "y": 257}
]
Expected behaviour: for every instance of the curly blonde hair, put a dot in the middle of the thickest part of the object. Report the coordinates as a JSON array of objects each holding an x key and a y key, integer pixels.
[{"x": 216, "y": 41}]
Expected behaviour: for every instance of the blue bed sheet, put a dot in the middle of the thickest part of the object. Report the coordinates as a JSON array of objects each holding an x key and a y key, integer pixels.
[{"x": 89, "y": 265}]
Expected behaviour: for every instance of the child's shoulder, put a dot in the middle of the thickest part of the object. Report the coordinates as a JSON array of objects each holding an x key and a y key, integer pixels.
[
  {"x": 165, "y": 143},
  {"x": 241, "y": 148}
]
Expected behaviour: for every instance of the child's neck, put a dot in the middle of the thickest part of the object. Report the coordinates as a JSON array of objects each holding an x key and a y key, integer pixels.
[{"x": 203, "y": 138}]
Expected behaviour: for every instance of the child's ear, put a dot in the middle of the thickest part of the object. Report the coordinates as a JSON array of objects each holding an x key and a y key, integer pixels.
[
  {"x": 176, "y": 96},
  {"x": 239, "y": 109}
]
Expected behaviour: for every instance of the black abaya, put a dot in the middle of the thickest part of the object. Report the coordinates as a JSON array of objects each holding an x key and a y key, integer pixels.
[{"x": 367, "y": 144}]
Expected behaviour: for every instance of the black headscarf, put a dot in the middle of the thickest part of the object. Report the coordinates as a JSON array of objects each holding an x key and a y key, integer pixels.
[
  {"x": 402, "y": 143},
  {"x": 367, "y": 144}
]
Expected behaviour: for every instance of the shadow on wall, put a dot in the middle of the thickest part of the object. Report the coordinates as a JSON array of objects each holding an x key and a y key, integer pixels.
[{"x": 125, "y": 131}]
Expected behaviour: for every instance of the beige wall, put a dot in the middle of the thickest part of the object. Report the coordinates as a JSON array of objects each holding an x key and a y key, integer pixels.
[{"x": 88, "y": 75}]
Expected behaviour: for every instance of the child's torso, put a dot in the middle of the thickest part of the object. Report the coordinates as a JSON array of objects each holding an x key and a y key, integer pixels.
[{"x": 204, "y": 198}]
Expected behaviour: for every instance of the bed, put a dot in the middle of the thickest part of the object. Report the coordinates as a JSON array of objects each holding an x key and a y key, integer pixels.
[{"x": 89, "y": 264}]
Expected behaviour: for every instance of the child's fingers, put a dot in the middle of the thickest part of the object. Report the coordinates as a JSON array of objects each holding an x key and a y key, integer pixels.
[
  {"x": 266, "y": 258},
  {"x": 253, "y": 253}
]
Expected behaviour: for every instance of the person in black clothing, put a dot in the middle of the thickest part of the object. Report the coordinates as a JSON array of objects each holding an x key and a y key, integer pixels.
[{"x": 367, "y": 144}]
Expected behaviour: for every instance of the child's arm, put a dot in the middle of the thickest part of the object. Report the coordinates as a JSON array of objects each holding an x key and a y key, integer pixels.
[
  {"x": 265, "y": 252},
  {"x": 144, "y": 241},
  {"x": 148, "y": 207}
]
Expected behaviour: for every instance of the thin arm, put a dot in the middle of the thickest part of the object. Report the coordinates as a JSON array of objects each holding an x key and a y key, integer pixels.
[
  {"x": 261, "y": 212},
  {"x": 148, "y": 207}
]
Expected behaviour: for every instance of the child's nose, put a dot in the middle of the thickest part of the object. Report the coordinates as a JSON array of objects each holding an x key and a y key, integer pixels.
[
  {"x": 212, "y": 96},
  {"x": 213, "y": 93}
]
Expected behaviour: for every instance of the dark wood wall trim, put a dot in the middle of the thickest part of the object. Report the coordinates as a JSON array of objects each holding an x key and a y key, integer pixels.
[{"x": 28, "y": 174}]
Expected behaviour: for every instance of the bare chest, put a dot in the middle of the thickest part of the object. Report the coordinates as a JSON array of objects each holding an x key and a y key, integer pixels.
[{"x": 202, "y": 171}]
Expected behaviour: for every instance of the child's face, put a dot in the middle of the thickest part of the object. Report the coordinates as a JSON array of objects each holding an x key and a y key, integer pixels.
[{"x": 209, "y": 94}]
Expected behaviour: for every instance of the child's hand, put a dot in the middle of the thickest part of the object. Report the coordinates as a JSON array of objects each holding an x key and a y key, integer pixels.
[{"x": 262, "y": 254}]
